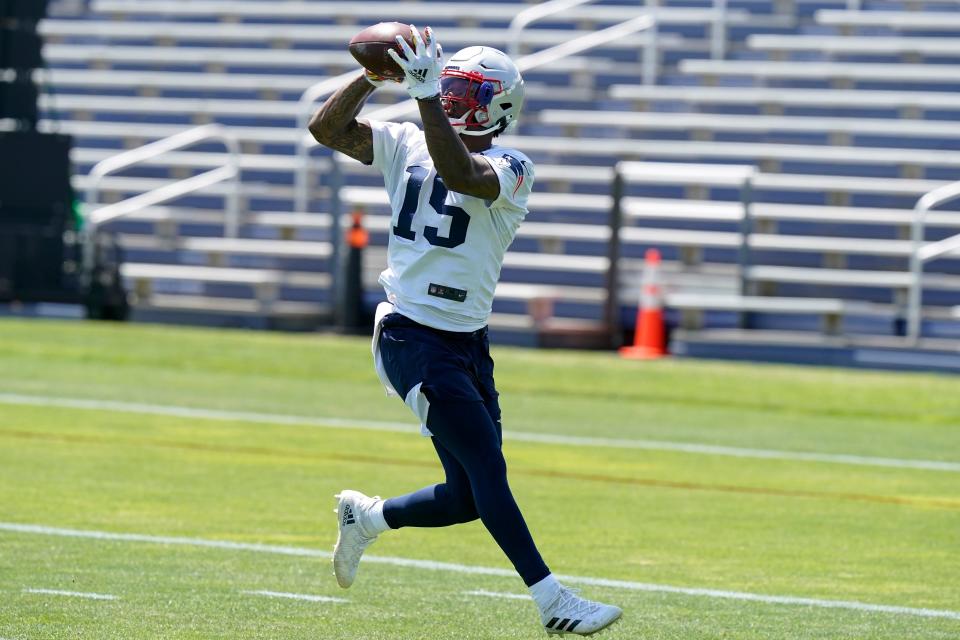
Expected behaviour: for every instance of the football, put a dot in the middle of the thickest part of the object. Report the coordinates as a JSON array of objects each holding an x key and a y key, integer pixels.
[{"x": 370, "y": 47}]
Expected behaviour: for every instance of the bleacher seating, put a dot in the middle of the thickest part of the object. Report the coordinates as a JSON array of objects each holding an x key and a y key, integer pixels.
[
  {"x": 906, "y": 104},
  {"x": 907, "y": 49},
  {"x": 705, "y": 126},
  {"x": 895, "y": 21},
  {"x": 579, "y": 150},
  {"x": 839, "y": 74},
  {"x": 848, "y": 117}
]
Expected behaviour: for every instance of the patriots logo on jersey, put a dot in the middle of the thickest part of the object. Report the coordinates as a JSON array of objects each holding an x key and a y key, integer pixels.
[{"x": 519, "y": 168}]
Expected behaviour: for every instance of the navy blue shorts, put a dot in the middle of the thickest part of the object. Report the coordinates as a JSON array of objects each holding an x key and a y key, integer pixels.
[{"x": 451, "y": 367}]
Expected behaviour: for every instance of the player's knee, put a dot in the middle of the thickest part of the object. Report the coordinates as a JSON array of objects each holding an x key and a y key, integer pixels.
[
  {"x": 464, "y": 511},
  {"x": 494, "y": 468},
  {"x": 459, "y": 503}
]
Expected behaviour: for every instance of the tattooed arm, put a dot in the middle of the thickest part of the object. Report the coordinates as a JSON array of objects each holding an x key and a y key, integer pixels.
[
  {"x": 460, "y": 170},
  {"x": 335, "y": 124}
]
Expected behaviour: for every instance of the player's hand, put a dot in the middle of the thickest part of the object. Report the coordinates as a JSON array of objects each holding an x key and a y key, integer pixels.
[
  {"x": 422, "y": 65},
  {"x": 376, "y": 80}
]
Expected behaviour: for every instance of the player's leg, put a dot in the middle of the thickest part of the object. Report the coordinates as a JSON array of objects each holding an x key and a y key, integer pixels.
[
  {"x": 466, "y": 430},
  {"x": 464, "y": 417},
  {"x": 411, "y": 354},
  {"x": 561, "y": 609},
  {"x": 439, "y": 505},
  {"x": 451, "y": 502}
]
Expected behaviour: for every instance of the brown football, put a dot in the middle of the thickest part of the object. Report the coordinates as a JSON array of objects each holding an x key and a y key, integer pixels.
[{"x": 370, "y": 47}]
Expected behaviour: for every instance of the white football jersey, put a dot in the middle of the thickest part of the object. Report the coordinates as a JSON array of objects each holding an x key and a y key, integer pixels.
[{"x": 446, "y": 248}]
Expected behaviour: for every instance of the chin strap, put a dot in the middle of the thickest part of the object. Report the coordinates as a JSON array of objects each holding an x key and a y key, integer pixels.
[
  {"x": 463, "y": 128},
  {"x": 465, "y": 131},
  {"x": 500, "y": 127}
]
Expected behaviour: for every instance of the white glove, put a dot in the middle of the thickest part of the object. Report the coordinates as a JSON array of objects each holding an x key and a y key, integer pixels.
[{"x": 421, "y": 67}]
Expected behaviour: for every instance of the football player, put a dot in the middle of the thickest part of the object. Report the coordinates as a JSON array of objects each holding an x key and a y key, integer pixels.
[{"x": 457, "y": 201}]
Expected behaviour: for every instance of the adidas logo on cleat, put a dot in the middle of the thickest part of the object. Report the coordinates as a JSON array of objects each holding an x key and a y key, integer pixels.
[
  {"x": 569, "y": 613},
  {"x": 563, "y": 624},
  {"x": 348, "y": 515}
]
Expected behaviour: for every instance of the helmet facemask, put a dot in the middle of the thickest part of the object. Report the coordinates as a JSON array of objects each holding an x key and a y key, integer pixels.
[{"x": 465, "y": 96}]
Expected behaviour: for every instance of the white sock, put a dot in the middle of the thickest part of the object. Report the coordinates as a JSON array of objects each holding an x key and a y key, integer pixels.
[
  {"x": 375, "y": 522},
  {"x": 545, "y": 591}
]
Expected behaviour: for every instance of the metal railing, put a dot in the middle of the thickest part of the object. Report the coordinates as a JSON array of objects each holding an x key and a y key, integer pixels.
[
  {"x": 547, "y": 9},
  {"x": 305, "y": 107},
  {"x": 924, "y": 253},
  {"x": 718, "y": 27},
  {"x": 99, "y": 215},
  {"x": 718, "y": 30},
  {"x": 597, "y": 38},
  {"x": 530, "y": 15}
]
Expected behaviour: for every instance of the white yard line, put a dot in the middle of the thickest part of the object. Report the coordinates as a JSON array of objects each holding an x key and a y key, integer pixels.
[
  {"x": 497, "y": 594},
  {"x": 477, "y": 570},
  {"x": 72, "y": 594},
  {"x": 520, "y": 436},
  {"x": 295, "y": 596}
]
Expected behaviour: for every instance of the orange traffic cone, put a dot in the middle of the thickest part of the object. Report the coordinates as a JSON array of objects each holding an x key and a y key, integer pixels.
[
  {"x": 357, "y": 236},
  {"x": 649, "y": 338}
]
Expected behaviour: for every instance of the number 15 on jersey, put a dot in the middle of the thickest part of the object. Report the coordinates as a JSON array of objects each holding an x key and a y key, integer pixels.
[{"x": 460, "y": 219}]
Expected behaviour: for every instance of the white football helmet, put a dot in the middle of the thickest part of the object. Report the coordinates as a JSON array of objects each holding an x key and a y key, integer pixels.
[{"x": 481, "y": 91}]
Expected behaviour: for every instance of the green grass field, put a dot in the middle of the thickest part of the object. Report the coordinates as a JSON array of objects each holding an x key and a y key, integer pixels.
[{"x": 217, "y": 507}]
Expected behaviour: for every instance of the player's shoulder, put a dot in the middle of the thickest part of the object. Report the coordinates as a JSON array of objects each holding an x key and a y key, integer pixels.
[
  {"x": 396, "y": 130},
  {"x": 394, "y": 143},
  {"x": 513, "y": 159}
]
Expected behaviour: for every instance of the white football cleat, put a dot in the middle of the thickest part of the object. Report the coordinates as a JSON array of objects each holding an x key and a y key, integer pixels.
[
  {"x": 569, "y": 613},
  {"x": 354, "y": 537}
]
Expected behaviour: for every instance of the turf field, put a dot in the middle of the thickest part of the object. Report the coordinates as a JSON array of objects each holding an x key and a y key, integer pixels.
[{"x": 170, "y": 483}]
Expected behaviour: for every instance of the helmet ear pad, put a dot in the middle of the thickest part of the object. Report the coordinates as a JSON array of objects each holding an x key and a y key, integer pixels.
[{"x": 485, "y": 93}]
